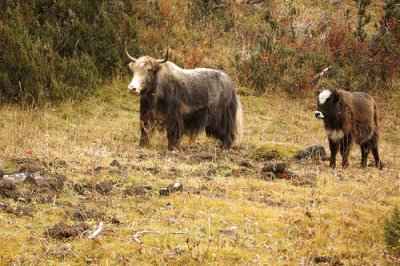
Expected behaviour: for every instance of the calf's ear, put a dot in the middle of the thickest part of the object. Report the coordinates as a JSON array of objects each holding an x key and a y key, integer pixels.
[{"x": 335, "y": 95}]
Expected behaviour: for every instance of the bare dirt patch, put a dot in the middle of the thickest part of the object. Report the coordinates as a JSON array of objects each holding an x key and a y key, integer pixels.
[
  {"x": 62, "y": 230},
  {"x": 45, "y": 190},
  {"x": 8, "y": 189},
  {"x": 19, "y": 211},
  {"x": 103, "y": 188},
  {"x": 80, "y": 212}
]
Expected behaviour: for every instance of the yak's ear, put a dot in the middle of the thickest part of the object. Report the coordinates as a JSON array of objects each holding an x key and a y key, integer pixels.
[
  {"x": 335, "y": 95},
  {"x": 157, "y": 67},
  {"x": 131, "y": 65}
]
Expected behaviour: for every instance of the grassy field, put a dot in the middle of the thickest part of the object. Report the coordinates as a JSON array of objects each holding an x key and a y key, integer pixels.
[{"x": 227, "y": 213}]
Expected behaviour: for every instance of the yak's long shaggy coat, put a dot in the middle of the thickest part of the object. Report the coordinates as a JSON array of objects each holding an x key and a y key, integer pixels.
[{"x": 188, "y": 101}]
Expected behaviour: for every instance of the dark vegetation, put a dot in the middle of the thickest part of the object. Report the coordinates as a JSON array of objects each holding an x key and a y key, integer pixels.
[
  {"x": 55, "y": 50},
  {"x": 392, "y": 231}
]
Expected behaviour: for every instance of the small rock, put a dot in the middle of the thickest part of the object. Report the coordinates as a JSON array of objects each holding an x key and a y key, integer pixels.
[
  {"x": 314, "y": 151},
  {"x": 177, "y": 187},
  {"x": 164, "y": 191},
  {"x": 115, "y": 163},
  {"x": 274, "y": 168}
]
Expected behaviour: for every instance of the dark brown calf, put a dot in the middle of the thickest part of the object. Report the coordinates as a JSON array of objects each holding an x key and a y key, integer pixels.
[{"x": 349, "y": 117}]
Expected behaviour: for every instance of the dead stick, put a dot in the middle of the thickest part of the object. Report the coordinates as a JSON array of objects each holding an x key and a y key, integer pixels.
[
  {"x": 319, "y": 75},
  {"x": 140, "y": 233}
]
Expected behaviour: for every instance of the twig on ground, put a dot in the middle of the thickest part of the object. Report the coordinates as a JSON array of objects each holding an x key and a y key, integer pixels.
[
  {"x": 97, "y": 231},
  {"x": 140, "y": 233}
]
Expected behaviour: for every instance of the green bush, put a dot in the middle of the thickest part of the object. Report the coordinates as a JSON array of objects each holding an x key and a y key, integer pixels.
[
  {"x": 392, "y": 231},
  {"x": 54, "y": 50}
]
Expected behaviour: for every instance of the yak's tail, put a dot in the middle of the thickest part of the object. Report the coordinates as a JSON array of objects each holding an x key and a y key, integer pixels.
[
  {"x": 376, "y": 121},
  {"x": 238, "y": 131}
]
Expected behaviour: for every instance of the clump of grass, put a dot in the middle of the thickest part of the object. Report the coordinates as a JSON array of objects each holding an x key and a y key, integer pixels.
[
  {"x": 391, "y": 231},
  {"x": 271, "y": 151}
]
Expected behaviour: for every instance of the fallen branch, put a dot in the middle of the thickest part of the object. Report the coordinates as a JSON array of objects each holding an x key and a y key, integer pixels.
[
  {"x": 140, "y": 233},
  {"x": 319, "y": 75},
  {"x": 97, "y": 231}
]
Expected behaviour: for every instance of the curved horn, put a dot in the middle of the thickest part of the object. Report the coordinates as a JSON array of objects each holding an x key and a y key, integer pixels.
[
  {"x": 128, "y": 55},
  {"x": 160, "y": 61}
]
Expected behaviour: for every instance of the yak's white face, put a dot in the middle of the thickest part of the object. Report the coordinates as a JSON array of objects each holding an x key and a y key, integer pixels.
[
  {"x": 325, "y": 103},
  {"x": 323, "y": 96},
  {"x": 143, "y": 71}
]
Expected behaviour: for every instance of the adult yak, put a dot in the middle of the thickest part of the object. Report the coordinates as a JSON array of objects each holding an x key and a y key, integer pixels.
[
  {"x": 185, "y": 101},
  {"x": 349, "y": 117}
]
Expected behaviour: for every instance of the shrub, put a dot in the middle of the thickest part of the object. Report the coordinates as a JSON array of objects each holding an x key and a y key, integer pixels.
[
  {"x": 53, "y": 50},
  {"x": 391, "y": 231}
]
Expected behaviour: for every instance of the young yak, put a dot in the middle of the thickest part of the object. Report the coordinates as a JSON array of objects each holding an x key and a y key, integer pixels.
[{"x": 349, "y": 117}]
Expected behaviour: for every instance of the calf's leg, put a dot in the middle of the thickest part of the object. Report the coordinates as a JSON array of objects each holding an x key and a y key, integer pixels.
[
  {"x": 365, "y": 148},
  {"x": 345, "y": 150},
  {"x": 333, "y": 146},
  {"x": 375, "y": 152}
]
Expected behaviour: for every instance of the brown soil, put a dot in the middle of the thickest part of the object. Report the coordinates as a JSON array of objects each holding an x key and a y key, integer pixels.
[
  {"x": 30, "y": 165},
  {"x": 18, "y": 211},
  {"x": 48, "y": 188},
  {"x": 8, "y": 189},
  {"x": 103, "y": 188},
  {"x": 62, "y": 230},
  {"x": 136, "y": 190},
  {"x": 81, "y": 213},
  {"x": 45, "y": 189}
]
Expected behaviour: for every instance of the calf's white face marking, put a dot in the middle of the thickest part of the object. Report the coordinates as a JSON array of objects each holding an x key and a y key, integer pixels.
[
  {"x": 335, "y": 135},
  {"x": 323, "y": 96}
]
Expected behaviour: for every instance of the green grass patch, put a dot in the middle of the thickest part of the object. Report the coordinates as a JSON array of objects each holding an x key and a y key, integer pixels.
[{"x": 270, "y": 151}]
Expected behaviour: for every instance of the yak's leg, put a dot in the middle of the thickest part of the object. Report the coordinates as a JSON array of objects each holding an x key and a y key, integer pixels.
[
  {"x": 192, "y": 138},
  {"x": 226, "y": 142},
  {"x": 146, "y": 119},
  {"x": 365, "y": 148},
  {"x": 144, "y": 135},
  {"x": 345, "y": 150},
  {"x": 375, "y": 152},
  {"x": 174, "y": 130},
  {"x": 333, "y": 146}
]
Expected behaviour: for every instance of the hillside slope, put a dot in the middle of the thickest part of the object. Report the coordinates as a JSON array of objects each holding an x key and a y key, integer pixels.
[{"x": 229, "y": 211}]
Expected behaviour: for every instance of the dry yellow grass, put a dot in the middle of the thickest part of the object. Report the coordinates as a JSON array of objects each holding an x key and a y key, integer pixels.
[{"x": 223, "y": 216}]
